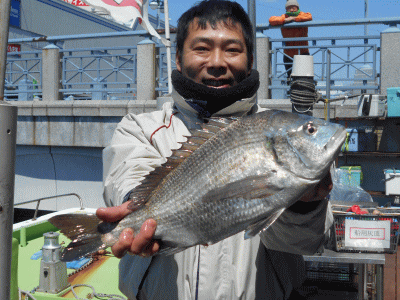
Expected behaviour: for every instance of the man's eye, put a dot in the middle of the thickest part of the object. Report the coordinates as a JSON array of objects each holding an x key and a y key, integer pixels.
[
  {"x": 234, "y": 50},
  {"x": 201, "y": 48}
]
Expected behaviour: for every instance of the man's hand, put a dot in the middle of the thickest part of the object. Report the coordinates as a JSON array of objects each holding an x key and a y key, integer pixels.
[
  {"x": 321, "y": 190},
  {"x": 140, "y": 244},
  {"x": 289, "y": 19}
]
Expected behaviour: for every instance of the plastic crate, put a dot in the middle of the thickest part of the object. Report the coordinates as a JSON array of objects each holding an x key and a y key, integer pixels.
[
  {"x": 352, "y": 175},
  {"x": 351, "y": 142},
  {"x": 324, "y": 276},
  {"x": 339, "y": 229},
  {"x": 393, "y": 102},
  {"x": 392, "y": 182},
  {"x": 324, "y": 271}
]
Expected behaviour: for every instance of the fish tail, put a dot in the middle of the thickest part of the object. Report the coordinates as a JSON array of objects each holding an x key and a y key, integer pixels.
[{"x": 84, "y": 230}]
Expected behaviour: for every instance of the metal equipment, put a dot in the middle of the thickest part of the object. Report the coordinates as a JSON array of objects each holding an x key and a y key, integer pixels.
[
  {"x": 53, "y": 271},
  {"x": 303, "y": 94},
  {"x": 371, "y": 105}
]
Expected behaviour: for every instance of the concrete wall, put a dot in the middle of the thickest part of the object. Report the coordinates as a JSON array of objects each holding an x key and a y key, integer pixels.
[
  {"x": 73, "y": 123},
  {"x": 390, "y": 59},
  {"x": 48, "y": 171},
  {"x": 92, "y": 123}
]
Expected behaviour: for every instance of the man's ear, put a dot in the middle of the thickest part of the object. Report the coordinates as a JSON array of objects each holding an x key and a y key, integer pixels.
[
  {"x": 178, "y": 62},
  {"x": 250, "y": 63}
]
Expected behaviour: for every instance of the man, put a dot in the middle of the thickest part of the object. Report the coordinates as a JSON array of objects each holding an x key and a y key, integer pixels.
[
  {"x": 293, "y": 14},
  {"x": 213, "y": 77}
]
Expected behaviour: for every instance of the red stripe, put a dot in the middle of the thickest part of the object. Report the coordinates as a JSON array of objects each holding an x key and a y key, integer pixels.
[{"x": 169, "y": 125}]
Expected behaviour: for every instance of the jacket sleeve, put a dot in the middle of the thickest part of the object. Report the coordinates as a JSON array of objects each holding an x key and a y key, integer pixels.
[
  {"x": 303, "y": 17},
  {"x": 276, "y": 20},
  {"x": 131, "y": 156},
  {"x": 128, "y": 158},
  {"x": 299, "y": 233}
]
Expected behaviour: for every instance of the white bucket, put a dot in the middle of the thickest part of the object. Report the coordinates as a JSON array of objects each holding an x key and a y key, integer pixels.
[{"x": 303, "y": 66}]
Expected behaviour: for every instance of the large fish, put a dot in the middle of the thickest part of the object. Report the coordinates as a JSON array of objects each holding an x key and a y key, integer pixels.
[{"x": 231, "y": 175}]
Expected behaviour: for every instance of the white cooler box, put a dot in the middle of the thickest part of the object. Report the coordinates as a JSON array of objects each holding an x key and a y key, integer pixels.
[{"x": 392, "y": 182}]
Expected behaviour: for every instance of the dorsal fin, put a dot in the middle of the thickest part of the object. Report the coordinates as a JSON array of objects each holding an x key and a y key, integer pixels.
[{"x": 198, "y": 137}]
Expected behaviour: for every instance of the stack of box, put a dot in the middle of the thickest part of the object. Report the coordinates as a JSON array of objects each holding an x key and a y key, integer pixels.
[
  {"x": 393, "y": 102},
  {"x": 352, "y": 175},
  {"x": 360, "y": 140},
  {"x": 392, "y": 182}
]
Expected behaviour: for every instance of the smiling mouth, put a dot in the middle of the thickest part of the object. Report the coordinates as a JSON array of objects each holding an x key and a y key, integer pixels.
[{"x": 223, "y": 83}]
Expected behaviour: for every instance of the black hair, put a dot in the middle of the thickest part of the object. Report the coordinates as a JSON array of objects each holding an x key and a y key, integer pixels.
[{"x": 212, "y": 12}]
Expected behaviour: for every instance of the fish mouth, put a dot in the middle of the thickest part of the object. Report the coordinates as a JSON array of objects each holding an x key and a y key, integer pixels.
[
  {"x": 338, "y": 138},
  {"x": 331, "y": 149},
  {"x": 335, "y": 143}
]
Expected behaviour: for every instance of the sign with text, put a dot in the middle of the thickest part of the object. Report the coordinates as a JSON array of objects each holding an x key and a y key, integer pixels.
[
  {"x": 76, "y": 2},
  {"x": 367, "y": 234},
  {"x": 13, "y": 48},
  {"x": 15, "y": 13}
]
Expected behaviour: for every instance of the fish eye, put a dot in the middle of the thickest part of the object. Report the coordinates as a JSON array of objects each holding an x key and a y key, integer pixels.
[{"x": 310, "y": 128}]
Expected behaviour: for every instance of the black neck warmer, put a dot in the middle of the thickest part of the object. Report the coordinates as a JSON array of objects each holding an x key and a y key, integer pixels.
[{"x": 207, "y": 101}]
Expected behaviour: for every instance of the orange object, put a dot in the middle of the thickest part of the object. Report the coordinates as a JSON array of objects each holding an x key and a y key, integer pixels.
[
  {"x": 293, "y": 32},
  {"x": 357, "y": 210}
]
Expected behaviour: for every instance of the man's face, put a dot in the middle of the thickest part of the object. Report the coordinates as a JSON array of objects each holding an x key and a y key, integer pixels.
[
  {"x": 292, "y": 8},
  {"x": 214, "y": 57}
]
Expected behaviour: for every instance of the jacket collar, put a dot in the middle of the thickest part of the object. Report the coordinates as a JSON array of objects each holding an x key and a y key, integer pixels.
[{"x": 237, "y": 109}]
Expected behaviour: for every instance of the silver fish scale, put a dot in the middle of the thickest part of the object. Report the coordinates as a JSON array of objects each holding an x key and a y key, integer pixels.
[
  {"x": 210, "y": 195},
  {"x": 178, "y": 205}
]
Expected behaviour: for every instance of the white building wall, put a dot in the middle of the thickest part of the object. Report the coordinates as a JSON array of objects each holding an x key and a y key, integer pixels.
[{"x": 56, "y": 17}]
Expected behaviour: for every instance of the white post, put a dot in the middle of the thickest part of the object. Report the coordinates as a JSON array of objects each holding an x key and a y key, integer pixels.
[
  {"x": 263, "y": 65},
  {"x": 51, "y": 73},
  {"x": 146, "y": 70}
]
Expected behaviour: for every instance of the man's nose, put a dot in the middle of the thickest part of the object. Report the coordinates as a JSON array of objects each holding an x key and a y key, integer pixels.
[{"x": 217, "y": 59}]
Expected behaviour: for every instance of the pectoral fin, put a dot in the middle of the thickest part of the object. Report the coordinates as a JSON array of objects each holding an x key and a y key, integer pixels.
[
  {"x": 262, "y": 225},
  {"x": 255, "y": 187}
]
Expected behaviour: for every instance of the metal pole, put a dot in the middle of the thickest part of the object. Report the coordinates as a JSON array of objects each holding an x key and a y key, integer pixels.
[
  {"x": 4, "y": 22},
  {"x": 379, "y": 282},
  {"x": 328, "y": 84},
  {"x": 167, "y": 36},
  {"x": 8, "y": 134},
  {"x": 251, "y": 7},
  {"x": 365, "y": 28}
]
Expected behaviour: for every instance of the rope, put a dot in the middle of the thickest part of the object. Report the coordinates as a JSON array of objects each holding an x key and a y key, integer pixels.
[
  {"x": 97, "y": 295},
  {"x": 303, "y": 93},
  {"x": 20, "y": 292}
]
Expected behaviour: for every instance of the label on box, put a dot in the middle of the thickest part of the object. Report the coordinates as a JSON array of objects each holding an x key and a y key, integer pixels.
[
  {"x": 351, "y": 143},
  {"x": 367, "y": 234}
]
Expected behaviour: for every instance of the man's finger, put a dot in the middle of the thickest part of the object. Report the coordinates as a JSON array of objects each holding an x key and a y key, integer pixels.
[
  {"x": 124, "y": 243},
  {"x": 144, "y": 237},
  {"x": 152, "y": 248},
  {"x": 113, "y": 214}
]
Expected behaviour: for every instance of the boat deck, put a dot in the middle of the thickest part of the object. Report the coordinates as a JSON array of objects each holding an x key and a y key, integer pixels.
[{"x": 100, "y": 275}]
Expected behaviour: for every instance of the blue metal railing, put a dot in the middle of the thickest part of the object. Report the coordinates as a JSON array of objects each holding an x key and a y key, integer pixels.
[
  {"x": 99, "y": 73},
  {"x": 348, "y": 72},
  {"x": 162, "y": 78},
  {"x": 23, "y": 75},
  {"x": 110, "y": 73}
]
